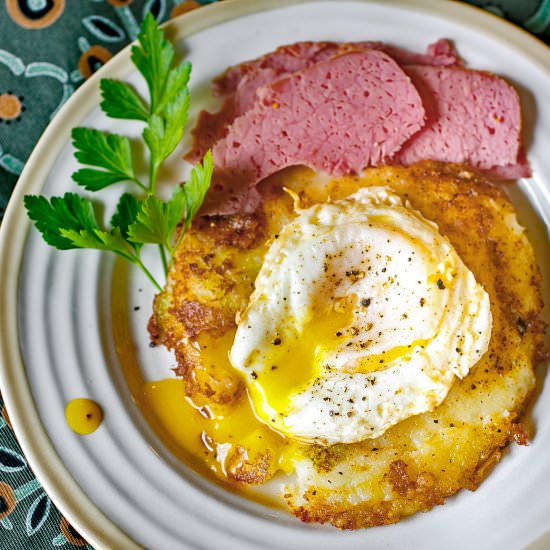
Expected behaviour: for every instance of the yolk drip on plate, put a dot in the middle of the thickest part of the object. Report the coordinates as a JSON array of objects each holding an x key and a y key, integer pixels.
[
  {"x": 222, "y": 437},
  {"x": 83, "y": 415},
  {"x": 215, "y": 439}
]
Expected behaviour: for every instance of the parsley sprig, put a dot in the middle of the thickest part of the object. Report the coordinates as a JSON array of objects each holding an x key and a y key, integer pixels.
[{"x": 70, "y": 221}]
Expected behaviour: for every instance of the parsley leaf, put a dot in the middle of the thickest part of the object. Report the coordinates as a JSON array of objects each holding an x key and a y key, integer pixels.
[
  {"x": 98, "y": 239},
  {"x": 125, "y": 215},
  {"x": 70, "y": 222},
  {"x": 196, "y": 187},
  {"x": 108, "y": 151},
  {"x": 153, "y": 58},
  {"x": 164, "y": 133},
  {"x": 120, "y": 100},
  {"x": 177, "y": 81},
  {"x": 156, "y": 220},
  {"x": 69, "y": 212}
]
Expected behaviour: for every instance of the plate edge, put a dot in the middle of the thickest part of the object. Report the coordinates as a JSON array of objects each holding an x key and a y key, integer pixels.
[{"x": 100, "y": 530}]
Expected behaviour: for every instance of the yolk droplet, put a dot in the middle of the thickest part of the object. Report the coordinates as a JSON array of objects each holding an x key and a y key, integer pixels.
[{"x": 83, "y": 415}]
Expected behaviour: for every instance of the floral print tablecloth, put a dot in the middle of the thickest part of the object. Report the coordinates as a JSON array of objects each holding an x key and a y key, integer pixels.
[{"x": 47, "y": 49}]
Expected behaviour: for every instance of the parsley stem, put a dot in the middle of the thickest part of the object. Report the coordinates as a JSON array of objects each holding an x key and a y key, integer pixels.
[
  {"x": 163, "y": 257},
  {"x": 139, "y": 184},
  {"x": 147, "y": 273},
  {"x": 153, "y": 177}
]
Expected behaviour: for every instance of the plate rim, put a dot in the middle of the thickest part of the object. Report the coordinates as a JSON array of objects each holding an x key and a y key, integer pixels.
[{"x": 61, "y": 487}]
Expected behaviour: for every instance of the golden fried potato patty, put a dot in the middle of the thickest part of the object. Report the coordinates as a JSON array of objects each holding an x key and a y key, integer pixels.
[{"x": 424, "y": 459}]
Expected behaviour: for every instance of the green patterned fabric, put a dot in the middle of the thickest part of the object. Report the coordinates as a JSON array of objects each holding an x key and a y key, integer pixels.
[{"x": 47, "y": 49}]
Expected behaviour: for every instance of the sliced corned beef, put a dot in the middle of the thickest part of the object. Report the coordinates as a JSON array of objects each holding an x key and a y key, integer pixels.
[
  {"x": 241, "y": 82},
  {"x": 211, "y": 127},
  {"x": 473, "y": 117},
  {"x": 341, "y": 115},
  {"x": 295, "y": 57}
]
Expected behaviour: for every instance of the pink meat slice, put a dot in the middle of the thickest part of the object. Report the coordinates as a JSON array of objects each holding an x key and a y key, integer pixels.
[
  {"x": 473, "y": 117},
  {"x": 340, "y": 116},
  {"x": 295, "y": 57},
  {"x": 211, "y": 127},
  {"x": 240, "y": 83}
]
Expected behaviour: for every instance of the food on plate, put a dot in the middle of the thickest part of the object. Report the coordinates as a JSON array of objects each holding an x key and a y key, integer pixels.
[
  {"x": 472, "y": 117},
  {"x": 339, "y": 115},
  {"x": 362, "y": 331},
  {"x": 295, "y": 57},
  {"x": 416, "y": 463},
  {"x": 285, "y": 108},
  {"x": 83, "y": 415},
  {"x": 238, "y": 85},
  {"x": 363, "y": 335},
  {"x": 362, "y": 315}
]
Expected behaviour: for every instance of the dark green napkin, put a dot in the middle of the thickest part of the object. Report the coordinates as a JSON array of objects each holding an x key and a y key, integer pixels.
[{"x": 47, "y": 49}]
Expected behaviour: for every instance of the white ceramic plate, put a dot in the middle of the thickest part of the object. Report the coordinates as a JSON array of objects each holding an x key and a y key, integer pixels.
[{"x": 119, "y": 486}]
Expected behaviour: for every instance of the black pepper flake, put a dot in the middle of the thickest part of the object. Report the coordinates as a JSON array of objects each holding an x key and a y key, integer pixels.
[
  {"x": 521, "y": 326},
  {"x": 273, "y": 367},
  {"x": 422, "y": 302},
  {"x": 339, "y": 333},
  {"x": 276, "y": 342},
  {"x": 440, "y": 284},
  {"x": 365, "y": 302},
  {"x": 254, "y": 375},
  {"x": 136, "y": 308}
]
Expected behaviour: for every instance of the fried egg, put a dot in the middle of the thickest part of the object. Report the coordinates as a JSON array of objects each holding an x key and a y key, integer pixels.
[
  {"x": 208, "y": 418},
  {"x": 362, "y": 315}
]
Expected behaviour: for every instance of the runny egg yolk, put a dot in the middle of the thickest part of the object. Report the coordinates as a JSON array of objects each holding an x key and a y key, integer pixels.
[
  {"x": 222, "y": 437},
  {"x": 215, "y": 439},
  {"x": 298, "y": 359}
]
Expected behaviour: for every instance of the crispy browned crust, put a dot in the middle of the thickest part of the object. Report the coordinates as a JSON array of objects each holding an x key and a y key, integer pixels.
[
  {"x": 425, "y": 459},
  {"x": 250, "y": 470}
]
